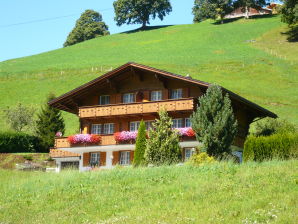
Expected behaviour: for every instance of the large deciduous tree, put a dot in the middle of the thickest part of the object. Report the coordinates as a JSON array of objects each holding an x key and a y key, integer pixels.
[
  {"x": 88, "y": 26},
  {"x": 214, "y": 122},
  {"x": 163, "y": 143},
  {"x": 211, "y": 9},
  {"x": 49, "y": 122},
  {"x": 140, "y": 11},
  {"x": 289, "y": 12}
]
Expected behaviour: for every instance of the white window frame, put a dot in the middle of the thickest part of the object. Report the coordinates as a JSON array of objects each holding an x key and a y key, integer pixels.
[
  {"x": 177, "y": 123},
  {"x": 176, "y": 93},
  {"x": 124, "y": 158},
  {"x": 188, "y": 152},
  {"x": 187, "y": 123},
  {"x": 108, "y": 128},
  {"x": 129, "y": 98},
  {"x": 156, "y": 95},
  {"x": 103, "y": 99},
  {"x": 134, "y": 125},
  {"x": 96, "y": 129},
  {"x": 95, "y": 158},
  {"x": 148, "y": 125}
]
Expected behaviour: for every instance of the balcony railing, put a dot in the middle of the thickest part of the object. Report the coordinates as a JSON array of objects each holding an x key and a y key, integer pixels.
[
  {"x": 136, "y": 108},
  {"x": 62, "y": 142}
]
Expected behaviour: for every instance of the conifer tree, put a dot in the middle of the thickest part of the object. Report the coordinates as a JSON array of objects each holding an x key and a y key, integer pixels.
[
  {"x": 163, "y": 144},
  {"x": 49, "y": 122},
  {"x": 214, "y": 122},
  {"x": 140, "y": 145}
]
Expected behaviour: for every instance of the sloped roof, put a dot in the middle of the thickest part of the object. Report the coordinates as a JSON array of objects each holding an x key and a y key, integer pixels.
[{"x": 59, "y": 101}]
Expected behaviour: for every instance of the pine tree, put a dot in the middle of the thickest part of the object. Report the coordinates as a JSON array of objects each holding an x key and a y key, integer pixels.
[
  {"x": 140, "y": 145},
  {"x": 49, "y": 122},
  {"x": 163, "y": 144},
  {"x": 214, "y": 122}
]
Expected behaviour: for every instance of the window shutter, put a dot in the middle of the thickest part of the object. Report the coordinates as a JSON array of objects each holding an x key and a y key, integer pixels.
[
  {"x": 115, "y": 158},
  {"x": 131, "y": 156},
  {"x": 113, "y": 99},
  {"x": 86, "y": 159},
  {"x": 103, "y": 156},
  {"x": 165, "y": 94},
  {"x": 146, "y": 95},
  {"x": 118, "y": 98},
  {"x": 185, "y": 92},
  {"x": 96, "y": 100}
]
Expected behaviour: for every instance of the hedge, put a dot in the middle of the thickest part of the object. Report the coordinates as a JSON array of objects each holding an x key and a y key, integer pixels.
[
  {"x": 276, "y": 146},
  {"x": 13, "y": 142}
]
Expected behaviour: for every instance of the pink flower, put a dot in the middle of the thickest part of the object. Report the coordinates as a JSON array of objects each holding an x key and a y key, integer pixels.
[
  {"x": 58, "y": 134},
  {"x": 186, "y": 131},
  {"x": 84, "y": 138}
]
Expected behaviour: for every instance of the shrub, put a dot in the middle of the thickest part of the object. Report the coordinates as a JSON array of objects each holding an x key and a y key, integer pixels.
[
  {"x": 277, "y": 146},
  {"x": 269, "y": 126},
  {"x": 200, "y": 159},
  {"x": 12, "y": 142},
  {"x": 140, "y": 145},
  {"x": 28, "y": 157}
]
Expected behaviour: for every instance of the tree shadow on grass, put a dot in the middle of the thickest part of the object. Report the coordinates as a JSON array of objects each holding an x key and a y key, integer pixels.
[
  {"x": 292, "y": 34},
  {"x": 236, "y": 19},
  {"x": 147, "y": 28}
]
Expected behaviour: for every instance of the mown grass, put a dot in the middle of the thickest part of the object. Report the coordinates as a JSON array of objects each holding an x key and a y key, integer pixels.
[
  {"x": 249, "y": 57},
  {"x": 219, "y": 193}
]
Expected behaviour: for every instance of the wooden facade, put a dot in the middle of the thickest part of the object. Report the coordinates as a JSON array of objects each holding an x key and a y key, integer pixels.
[{"x": 103, "y": 101}]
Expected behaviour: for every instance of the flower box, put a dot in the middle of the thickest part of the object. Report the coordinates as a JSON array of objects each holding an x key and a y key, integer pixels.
[
  {"x": 126, "y": 137},
  {"x": 84, "y": 139}
]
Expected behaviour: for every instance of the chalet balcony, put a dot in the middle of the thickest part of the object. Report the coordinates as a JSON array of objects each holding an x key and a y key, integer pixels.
[
  {"x": 171, "y": 105},
  {"x": 62, "y": 142}
]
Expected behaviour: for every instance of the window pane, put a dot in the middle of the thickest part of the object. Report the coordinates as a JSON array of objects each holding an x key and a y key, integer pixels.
[
  {"x": 176, "y": 94},
  {"x": 108, "y": 128},
  {"x": 128, "y": 98},
  {"x": 148, "y": 124},
  {"x": 94, "y": 159},
  {"x": 188, "y": 153},
  {"x": 156, "y": 95},
  {"x": 96, "y": 129},
  {"x": 134, "y": 126},
  {"x": 124, "y": 158},
  {"x": 104, "y": 100},
  {"x": 187, "y": 122},
  {"x": 177, "y": 123}
]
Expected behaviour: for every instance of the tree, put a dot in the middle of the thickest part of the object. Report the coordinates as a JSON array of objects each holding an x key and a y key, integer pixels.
[
  {"x": 88, "y": 26},
  {"x": 289, "y": 12},
  {"x": 214, "y": 122},
  {"x": 247, "y": 4},
  {"x": 163, "y": 144},
  {"x": 139, "y": 11},
  {"x": 211, "y": 9},
  {"x": 19, "y": 117},
  {"x": 49, "y": 122},
  {"x": 140, "y": 145}
]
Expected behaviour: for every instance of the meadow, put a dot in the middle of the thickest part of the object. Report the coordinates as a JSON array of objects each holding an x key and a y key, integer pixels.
[
  {"x": 218, "y": 193},
  {"x": 250, "y": 57}
]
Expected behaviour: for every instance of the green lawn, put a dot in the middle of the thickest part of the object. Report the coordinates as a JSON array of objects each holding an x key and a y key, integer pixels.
[
  {"x": 219, "y": 193},
  {"x": 249, "y": 57}
]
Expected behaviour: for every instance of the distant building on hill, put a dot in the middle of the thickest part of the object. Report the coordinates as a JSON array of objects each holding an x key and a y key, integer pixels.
[
  {"x": 274, "y": 7},
  {"x": 240, "y": 12}
]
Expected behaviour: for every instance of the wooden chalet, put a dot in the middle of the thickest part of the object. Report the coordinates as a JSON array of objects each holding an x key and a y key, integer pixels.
[
  {"x": 252, "y": 11},
  {"x": 119, "y": 100}
]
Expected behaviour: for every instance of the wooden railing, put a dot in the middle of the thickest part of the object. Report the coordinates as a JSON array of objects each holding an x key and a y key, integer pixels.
[
  {"x": 55, "y": 153},
  {"x": 137, "y": 108},
  {"x": 63, "y": 143}
]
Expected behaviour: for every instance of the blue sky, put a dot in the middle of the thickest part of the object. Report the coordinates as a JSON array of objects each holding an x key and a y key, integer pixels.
[{"x": 36, "y": 37}]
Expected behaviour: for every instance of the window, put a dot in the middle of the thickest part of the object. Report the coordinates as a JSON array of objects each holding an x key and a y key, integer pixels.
[
  {"x": 128, "y": 98},
  {"x": 188, "y": 152},
  {"x": 178, "y": 123},
  {"x": 156, "y": 95},
  {"x": 96, "y": 129},
  {"x": 103, "y": 100},
  {"x": 187, "y": 123},
  {"x": 94, "y": 159},
  {"x": 148, "y": 125},
  {"x": 108, "y": 129},
  {"x": 176, "y": 94},
  {"x": 124, "y": 158},
  {"x": 134, "y": 126}
]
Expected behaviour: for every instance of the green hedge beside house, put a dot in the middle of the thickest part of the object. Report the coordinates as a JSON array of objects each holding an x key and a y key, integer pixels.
[
  {"x": 277, "y": 146},
  {"x": 12, "y": 142}
]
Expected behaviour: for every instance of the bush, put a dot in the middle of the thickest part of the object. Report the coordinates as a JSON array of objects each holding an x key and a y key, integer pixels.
[
  {"x": 200, "y": 159},
  {"x": 139, "y": 158},
  {"x": 277, "y": 146},
  {"x": 12, "y": 142}
]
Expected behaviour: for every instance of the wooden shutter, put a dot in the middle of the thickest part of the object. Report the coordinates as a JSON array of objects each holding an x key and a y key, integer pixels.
[
  {"x": 96, "y": 100},
  {"x": 118, "y": 98},
  {"x": 131, "y": 156},
  {"x": 116, "y": 158},
  {"x": 103, "y": 156},
  {"x": 86, "y": 159},
  {"x": 165, "y": 94},
  {"x": 113, "y": 99},
  {"x": 185, "y": 92},
  {"x": 146, "y": 96}
]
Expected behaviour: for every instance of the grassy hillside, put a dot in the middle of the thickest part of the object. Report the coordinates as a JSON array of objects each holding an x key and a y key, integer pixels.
[
  {"x": 249, "y": 57},
  {"x": 220, "y": 193}
]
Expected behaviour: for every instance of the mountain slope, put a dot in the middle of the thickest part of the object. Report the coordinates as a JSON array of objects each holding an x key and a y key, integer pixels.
[{"x": 249, "y": 57}]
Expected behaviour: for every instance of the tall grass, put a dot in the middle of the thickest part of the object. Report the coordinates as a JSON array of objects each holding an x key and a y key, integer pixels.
[{"x": 219, "y": 193}]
